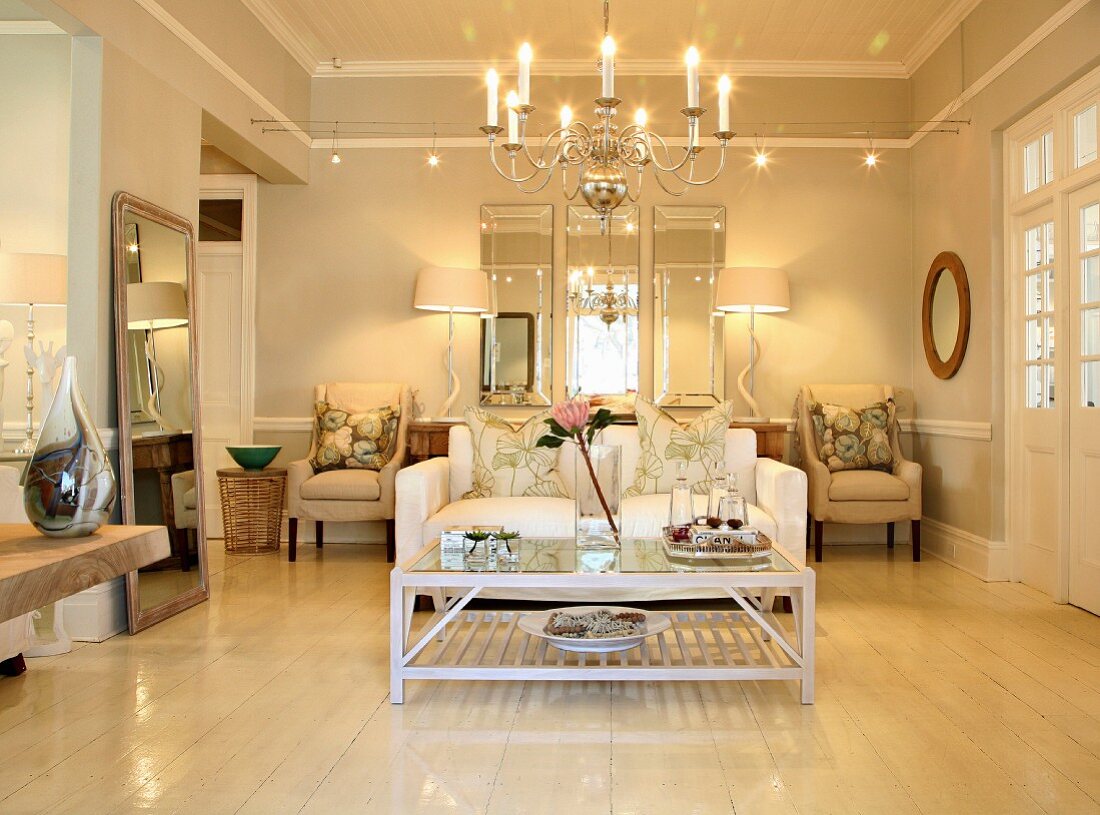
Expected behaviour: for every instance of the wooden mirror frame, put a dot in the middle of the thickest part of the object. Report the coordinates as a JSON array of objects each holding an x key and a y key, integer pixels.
[
  {"x": 946, "y": 262},
  {"x": 126, "y": 203}
]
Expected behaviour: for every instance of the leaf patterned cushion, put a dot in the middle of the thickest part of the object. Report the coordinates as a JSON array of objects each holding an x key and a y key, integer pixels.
[
  {"x": 850, "y": 439},
  {"x": 507, "y": 462},
  {"x": 349, "y": 441},
  {"x": 665, "y": 443}
]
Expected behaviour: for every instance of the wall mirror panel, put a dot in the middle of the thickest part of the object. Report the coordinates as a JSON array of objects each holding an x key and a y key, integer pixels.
[
  {"x": 159, "y": 442},
  {"x": 517, "y": 256},
  {"x": 602, "y": 300},
  {"x": 689, "y": 248}
]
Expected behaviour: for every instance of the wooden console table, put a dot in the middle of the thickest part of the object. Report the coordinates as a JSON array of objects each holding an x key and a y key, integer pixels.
[
  {"x": 431, "y": 439},
  {"x": 36, "y": 570}
]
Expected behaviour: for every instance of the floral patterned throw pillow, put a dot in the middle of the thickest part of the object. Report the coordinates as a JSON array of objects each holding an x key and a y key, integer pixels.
[
  {"x": 850, "y": 439},
  {"x": 347, "y": 441},
  {"x": 508, "y": 461},
  {"x": 665, "y": 443}
]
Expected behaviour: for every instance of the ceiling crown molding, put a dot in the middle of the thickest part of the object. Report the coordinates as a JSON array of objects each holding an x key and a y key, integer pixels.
[
  {"x": 623, "y": 67},
  {"x": 29, "y": 27},
  {"x": 281, "y": 29},
  {"x": 951, "y": 19}
]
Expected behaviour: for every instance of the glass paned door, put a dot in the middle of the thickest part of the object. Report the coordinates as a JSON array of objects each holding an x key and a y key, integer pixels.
[
  {"x": 1038, "y": 303},
  {"x": 1083, "y": 350}
]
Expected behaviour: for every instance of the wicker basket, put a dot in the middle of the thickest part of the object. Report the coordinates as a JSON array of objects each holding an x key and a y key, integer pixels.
[{"x": 252, "y": 509}]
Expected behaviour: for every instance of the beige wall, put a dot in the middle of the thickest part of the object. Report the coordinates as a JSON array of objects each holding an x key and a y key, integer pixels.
[
  {"x": 34, "y": 189},
  {"x": 956, "y": 189},
  {"x": 338, "y": 258}
]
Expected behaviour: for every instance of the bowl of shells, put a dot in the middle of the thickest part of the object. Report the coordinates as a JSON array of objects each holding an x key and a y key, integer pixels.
[{"x": 594, "y": 629}]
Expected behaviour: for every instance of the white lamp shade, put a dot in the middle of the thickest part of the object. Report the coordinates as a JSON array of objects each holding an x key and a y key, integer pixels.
[
  {"x": 33, "y": 279},
  {"x": 441, "y": 289},
  {"x": 746, "y": 289},
  {"x": 155, "y": 304}
]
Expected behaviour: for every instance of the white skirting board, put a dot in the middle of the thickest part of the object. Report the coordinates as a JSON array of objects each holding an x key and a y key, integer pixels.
[
  {"x": 985, "y": 559},
  {"x": 97, "y": 613}
]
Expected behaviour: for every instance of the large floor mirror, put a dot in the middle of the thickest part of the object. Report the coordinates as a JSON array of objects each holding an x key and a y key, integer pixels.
[
  {"x": 602, "y": 255},
  {"x": 689, "y": 249},
  {"x": 159, "y": 443},
  {"x": 517, "y": 256}
]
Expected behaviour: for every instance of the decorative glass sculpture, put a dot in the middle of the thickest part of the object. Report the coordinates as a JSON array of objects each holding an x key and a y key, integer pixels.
[{"x": 69, "y": 489}]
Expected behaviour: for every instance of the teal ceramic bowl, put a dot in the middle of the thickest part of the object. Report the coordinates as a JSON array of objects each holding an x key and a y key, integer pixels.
[{"x": 254, "y": 456}]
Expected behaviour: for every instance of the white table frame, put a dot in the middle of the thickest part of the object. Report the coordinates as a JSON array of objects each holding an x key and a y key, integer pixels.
[{"x": 747, "y": 643}]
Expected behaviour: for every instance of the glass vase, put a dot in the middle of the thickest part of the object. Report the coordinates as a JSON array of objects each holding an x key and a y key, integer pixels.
[
  {"x": 69, "y": 488},
  {"x": 599, "y": 521}
]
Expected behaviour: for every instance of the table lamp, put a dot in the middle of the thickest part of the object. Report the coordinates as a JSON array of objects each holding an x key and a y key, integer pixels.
[
  {"x": 451, "y": 290},
  {"x": 31, "y": 279},
  {"x": 151, "y": 306},
  {"x": 752, "y": 290}
]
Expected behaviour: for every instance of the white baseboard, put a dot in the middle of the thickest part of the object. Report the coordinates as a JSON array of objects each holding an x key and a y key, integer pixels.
[
  {"x": 97, "y": 613},
  {"x": 985, "y": 559}
]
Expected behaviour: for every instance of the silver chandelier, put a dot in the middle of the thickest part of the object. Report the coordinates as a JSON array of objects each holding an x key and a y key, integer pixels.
[{"x": 603, "y": 153}]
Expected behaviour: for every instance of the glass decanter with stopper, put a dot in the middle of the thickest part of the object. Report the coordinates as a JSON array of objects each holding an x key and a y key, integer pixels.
[{"x": 732, "y": 508}]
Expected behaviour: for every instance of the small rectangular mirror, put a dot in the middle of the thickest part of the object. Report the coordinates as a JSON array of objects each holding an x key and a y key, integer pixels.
[
  {"x": 689, "y": 249},
  {"x": 517, "y": 256},
  {"x": 602, "y": 298}
]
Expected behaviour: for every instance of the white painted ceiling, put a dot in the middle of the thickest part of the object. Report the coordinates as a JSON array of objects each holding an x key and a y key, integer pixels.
[{"x": 838, "y": 37}]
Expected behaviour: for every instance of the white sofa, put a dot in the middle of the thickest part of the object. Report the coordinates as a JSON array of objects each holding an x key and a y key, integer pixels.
[{"x": 429, "y": 499}]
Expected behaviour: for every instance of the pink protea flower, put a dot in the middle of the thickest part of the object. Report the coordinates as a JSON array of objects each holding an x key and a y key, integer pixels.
[{"x": 572, "y": 414}]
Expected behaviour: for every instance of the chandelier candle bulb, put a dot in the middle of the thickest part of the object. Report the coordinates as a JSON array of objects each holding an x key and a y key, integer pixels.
[
  {"x": 512, "y": 101},
  {"x": 491, "y": 83},
  {"x": 691, "y": 59},
  {"x": 566, "y": 116},
  {"x": 525, "y": 56},
  {"x": 724, "y": 104},
  {"x": 608, "y": 51},
  {"x": 640, "y": 117}
]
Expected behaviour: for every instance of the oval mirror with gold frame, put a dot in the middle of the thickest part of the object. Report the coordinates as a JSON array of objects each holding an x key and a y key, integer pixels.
[{"x": 945, "y": 314}]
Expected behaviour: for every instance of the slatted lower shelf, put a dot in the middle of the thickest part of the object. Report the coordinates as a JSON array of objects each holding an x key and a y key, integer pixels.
[{"x": 699, "y": 645}]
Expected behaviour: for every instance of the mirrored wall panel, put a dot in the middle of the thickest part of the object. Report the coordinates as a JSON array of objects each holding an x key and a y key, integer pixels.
[
  {"x": 602, "y": 301},
  {"x": 517, "y": 256},
  {"x": 689, "y": 249},
  {"x": 157, "y": 403}
]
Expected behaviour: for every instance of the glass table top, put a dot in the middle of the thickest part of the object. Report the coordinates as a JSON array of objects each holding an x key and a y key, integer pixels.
[{"x": 562, "y": 556}]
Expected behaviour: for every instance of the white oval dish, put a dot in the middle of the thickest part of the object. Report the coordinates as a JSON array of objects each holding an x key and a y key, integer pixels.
[{"x": 535, "y": 625}]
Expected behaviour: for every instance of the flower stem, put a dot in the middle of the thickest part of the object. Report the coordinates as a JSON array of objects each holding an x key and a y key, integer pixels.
[{"x": 596, "y": 483}]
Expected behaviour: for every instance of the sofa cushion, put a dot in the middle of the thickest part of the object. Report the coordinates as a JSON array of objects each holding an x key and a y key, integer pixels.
[
  {"x": 342, "y": 485},
  {"x": 867, "y": 485},
  {"x": 665, "y": 444},
  {"x": 508, "y": 461},
  {"x": 532, "y": 517},
  {"x": 853, "y": 439},
  {"x": 191, "y": 499},
  {"x": 645, "y": 515},
  {"x": 360, "y": 440}
]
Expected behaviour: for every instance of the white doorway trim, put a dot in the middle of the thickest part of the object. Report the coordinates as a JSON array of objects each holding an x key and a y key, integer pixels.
[{"x": 244, "y": 188}]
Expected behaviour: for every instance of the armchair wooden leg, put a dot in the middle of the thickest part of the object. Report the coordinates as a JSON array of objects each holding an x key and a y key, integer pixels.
[
  {"x": 292, "y": 531},
  {"x": 391, "y": 541},
  {"x": 916, "y": 541},
  {"x": 890, "y": 535},
  {"x": 320, "y": 527},
  {"x": 819, "y": 539}
]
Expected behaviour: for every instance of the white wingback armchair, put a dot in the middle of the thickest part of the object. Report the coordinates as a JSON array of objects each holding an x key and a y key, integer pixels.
[
  {"x": 858, "y": 496},
  {"x": 429, "y": 499},
  {"x": 353, "y": 494}
]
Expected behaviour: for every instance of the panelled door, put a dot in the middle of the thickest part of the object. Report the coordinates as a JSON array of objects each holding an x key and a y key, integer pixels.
[
  {"x": 1038, "y": 509},
  {"x": 1083, "y": 351}
]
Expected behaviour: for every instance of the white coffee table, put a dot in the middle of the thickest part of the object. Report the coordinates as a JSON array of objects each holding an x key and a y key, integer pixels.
[{"x": 747, "y": 641}]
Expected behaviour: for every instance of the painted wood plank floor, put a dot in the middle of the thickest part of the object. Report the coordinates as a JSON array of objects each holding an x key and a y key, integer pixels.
[{"x": 936, "y": 693}]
